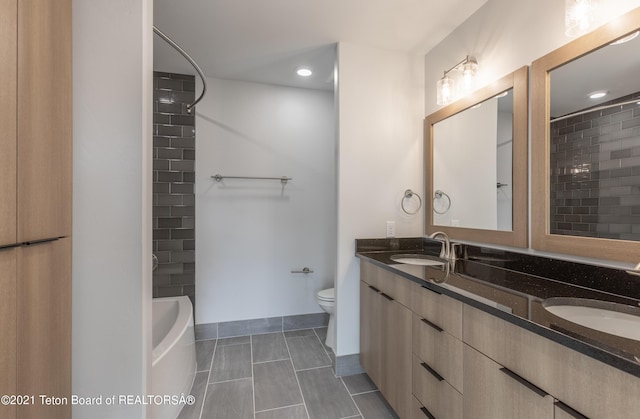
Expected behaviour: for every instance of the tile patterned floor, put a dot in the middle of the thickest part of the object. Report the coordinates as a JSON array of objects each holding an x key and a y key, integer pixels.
[{"x": 282, "y": 375}]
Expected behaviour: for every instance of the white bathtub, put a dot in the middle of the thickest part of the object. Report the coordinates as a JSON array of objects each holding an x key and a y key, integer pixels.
[{"x": 174, "y": 352}]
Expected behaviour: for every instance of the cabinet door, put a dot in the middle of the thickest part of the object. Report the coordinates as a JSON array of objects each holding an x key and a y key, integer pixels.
[
  {"x": 8, "y": 83},
  {"x": 396, "y": 357},
  {"x": 8, "y": 330},
  {"x": 44, "y": 119},
  {"x": 44, "y": 325},
  {"x": 370, "y": 329},
  {"x": 491, "y": 391}
]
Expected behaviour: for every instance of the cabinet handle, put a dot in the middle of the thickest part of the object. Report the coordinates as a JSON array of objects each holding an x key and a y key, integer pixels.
[
  {"x": 427, "y": 413},
  {"x": 428, "y": 323},
  {"x": 429, "y": 289},
  {"x": 432, "y": 371},
  {"x": 374, "y": 288},
  {"x": 386, "y": 296},
  {"x": 524, "y": 382},
  {"x": 569, "y": 410}
]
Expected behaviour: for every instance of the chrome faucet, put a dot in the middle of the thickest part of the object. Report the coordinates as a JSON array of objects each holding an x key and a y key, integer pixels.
[{"x": 445, "y": 252}]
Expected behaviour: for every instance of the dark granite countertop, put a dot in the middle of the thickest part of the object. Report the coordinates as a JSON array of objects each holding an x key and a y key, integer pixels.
[{"x": 513, "y": 286}]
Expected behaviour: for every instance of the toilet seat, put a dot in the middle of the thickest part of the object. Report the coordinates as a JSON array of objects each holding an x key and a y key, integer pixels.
[{"x": 328, "y": 295}]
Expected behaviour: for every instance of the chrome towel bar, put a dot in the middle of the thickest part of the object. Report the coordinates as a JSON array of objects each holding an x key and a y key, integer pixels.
[{"x": 282, "y": 179}]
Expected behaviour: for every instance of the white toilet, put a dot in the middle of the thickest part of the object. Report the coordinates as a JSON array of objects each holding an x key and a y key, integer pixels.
[{"x": 327, "y": 300}]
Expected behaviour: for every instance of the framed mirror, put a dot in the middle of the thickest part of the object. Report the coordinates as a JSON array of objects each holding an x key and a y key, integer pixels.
[
  {"x": 586, "y": 145},
  {"x": 476, "y": 165}
]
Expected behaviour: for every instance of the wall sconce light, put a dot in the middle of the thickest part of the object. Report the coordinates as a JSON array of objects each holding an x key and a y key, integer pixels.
[
  {"x": 581, "y": 16},
  {"x": 446, "y": 86}
]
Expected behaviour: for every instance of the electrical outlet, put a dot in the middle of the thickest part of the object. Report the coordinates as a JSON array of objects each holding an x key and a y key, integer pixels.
[{"x": 391, "y": 228}]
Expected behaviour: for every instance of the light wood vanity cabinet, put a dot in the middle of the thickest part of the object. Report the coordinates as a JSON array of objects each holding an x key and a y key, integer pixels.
[
  {"x": 467, "y": 363},
  {"x": 583, "y": 384},
  {"x": 386, "y": 335}
]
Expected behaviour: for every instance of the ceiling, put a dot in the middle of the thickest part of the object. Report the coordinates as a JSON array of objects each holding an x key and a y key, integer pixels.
[{"x": 265, "y": 41}]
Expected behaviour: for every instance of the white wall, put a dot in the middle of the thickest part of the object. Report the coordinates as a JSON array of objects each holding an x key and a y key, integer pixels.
[
  {"x": 112, "y": 95},
  {"x": 466, "y": 143},
  {"x": 250, "y": 234},
  {"x": 380, "y": 155}
]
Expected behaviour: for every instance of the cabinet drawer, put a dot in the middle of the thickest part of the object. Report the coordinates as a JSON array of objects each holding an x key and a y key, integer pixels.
[
  {"x": 434, "y": 393},
  {"x": 441, "y": 351},
  {"x": 392, "y": 285},
  {"x": 441, "y": 310},
  {"x": 568, "y": 375},
  {"x": 495, "y": 392}
]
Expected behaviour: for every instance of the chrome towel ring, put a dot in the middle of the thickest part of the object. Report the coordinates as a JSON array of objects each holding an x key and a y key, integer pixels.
[
  {"x": 438, "y": 194},
  {"x": 408, "y": 194}
]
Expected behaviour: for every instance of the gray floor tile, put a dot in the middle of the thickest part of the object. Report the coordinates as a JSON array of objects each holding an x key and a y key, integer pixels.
[
  {"x": 231, "y": 363},
  {"x": 321, "y": 332},
  {"x": 307, "y": 352},
  {"x": 204, "y": 354},
  {"x": 291, "y": 412},
  {"x": 234, "y": 341},
  {"x": 275, "y": 385},
  {"x": 269, "y": 347},
  {"x": 232, "y": 399},
  {"x": 325, "y": 395},
  {"x": 198, "y": 390},
  {"x": 359, "y": 383},
  {"x": 374, "y": 406}
]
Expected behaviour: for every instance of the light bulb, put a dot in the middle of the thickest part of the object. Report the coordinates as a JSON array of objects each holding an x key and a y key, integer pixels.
[
  {"x": 469, "y": 71},
  {"x": 445, "y": 90}
]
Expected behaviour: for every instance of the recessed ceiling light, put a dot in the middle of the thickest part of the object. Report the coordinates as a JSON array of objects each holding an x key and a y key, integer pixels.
[
  {"x": 503, "y": 94},
  {"x": 598, "y": 94},
  {"x": 304, "y": 72}
]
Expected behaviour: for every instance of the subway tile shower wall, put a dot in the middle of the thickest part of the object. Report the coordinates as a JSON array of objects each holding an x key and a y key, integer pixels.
[
  {"x": 595, "y": 173},
  {"x": 173, "y": 185}
]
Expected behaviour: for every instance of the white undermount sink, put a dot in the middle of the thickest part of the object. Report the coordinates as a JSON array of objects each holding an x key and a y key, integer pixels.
[
  {"x": 612, "y": 318},
  {"x": 416, "y": 259}
]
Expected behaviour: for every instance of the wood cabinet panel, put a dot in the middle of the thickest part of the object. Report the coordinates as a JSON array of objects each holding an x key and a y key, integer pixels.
[
  {"x": 492, "y": 393},
  {"x": 370, "y": 329},
  {"x": 386, "y": 336},
  {"x": 44, "y": 119},
  {"x": 554, "y": 367},
  {"x": 441, "y": 310},
  {"x": 44, "y": 325},
  {"x": 8, "y": 112},
  {"x": 402, "y": 335},
  {"x": 439, "y": 350},
  {"x": 437, "y": 395},
  {"x": 8, "y": 331}
]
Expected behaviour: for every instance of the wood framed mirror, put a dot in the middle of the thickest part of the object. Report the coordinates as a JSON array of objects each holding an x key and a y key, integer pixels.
[
  {"x": 586, "y": 151},
  {"x": 476, "y": 165}
]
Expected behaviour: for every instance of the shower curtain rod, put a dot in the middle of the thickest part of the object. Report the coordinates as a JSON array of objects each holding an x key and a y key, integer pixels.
[
  {"x": 188, "y": 58},
  {"x": 596, "y": 108}
]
